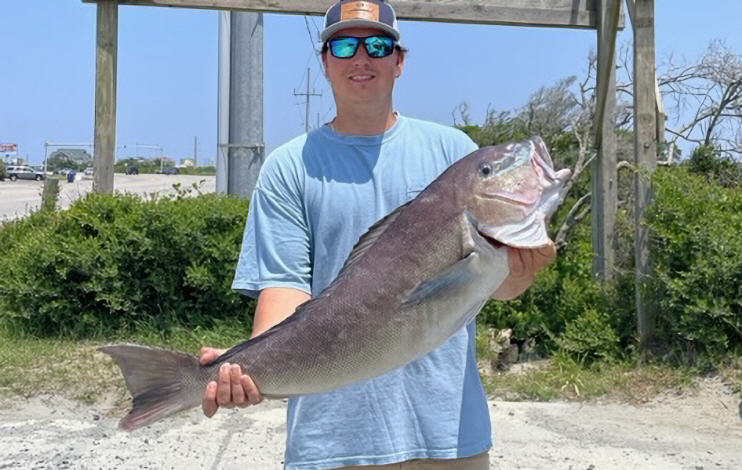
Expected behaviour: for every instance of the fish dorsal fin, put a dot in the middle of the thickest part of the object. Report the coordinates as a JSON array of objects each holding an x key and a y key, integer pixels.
[{"x": 369, "y": 238}]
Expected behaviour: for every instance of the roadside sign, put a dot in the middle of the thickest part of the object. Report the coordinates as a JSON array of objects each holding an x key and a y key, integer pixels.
[{"x": 8, "y": 149}]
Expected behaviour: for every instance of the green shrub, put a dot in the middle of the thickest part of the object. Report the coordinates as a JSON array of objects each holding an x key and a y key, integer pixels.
[
  {"x": 110, "y": 263},
  {"x": 696, "y": 248},
  {"x": 590, "y": 336},
  {"x": 708, "y": 160},
  {"x": 566, "y": 297}
]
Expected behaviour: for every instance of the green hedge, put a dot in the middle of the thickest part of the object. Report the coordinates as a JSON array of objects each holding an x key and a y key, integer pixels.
[
  {"x": 696, "y": 284},
  {"x": 696, "y": 248},
  {"x": 566, "y": 309},
  {"x": 110, "y": 263}
]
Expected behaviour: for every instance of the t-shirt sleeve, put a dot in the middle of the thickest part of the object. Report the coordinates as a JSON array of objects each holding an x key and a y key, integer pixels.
[
  {"x": 276, "y": 244},
  {"x": 460, "y": 145}
]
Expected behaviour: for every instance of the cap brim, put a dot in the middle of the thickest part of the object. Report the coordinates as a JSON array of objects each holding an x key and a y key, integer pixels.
[{"x": 359, "y": 23}]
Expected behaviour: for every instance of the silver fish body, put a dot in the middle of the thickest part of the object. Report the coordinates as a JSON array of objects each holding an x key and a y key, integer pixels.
[{"x": 413, "y": 280}]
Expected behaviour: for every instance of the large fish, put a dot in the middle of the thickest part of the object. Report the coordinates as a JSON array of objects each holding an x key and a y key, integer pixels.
[{"x": 412, "y": 280}]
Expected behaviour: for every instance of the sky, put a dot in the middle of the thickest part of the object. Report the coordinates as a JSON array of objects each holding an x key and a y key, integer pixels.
[{"x": 167, "y": 70}]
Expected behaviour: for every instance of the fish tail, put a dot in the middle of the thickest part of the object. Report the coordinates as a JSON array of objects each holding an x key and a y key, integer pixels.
[{"x": 161, "y": 382}]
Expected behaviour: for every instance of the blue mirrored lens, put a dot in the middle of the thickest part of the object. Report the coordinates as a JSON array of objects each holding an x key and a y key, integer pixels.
[
  {"x": 379, "y": 46},
  {"x": 344, "y": 48}
]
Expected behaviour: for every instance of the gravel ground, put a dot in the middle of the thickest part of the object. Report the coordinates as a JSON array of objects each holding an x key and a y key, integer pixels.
[{"x": 700, "y": 429}]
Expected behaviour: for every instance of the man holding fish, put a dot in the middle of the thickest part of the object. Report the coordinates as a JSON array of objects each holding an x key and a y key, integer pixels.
[{"x": 316, "y": 195}]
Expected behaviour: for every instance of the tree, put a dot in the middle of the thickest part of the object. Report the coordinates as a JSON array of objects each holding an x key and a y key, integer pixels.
[{"x": 710, "y": 91}]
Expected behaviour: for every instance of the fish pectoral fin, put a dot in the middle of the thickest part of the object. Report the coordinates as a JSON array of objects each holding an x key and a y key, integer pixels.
[{"x": 444, "y": 283}]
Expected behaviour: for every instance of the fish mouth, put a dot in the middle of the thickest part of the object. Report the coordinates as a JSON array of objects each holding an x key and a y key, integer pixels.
[
  {"x": 516, "y": 199},
  {"x": 495, "y": 243}
]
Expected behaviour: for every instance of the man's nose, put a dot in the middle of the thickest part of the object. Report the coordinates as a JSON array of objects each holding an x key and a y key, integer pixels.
[{"x": 361, "y": 54}]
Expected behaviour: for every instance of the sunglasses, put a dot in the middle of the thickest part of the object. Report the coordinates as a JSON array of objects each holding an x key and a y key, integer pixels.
[{"x": 345, "y": 47}]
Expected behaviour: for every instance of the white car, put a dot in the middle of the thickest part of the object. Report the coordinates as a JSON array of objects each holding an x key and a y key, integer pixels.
[{"x": 89, "y": 171}]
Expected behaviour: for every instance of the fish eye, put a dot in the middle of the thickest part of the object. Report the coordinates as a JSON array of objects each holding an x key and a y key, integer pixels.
[{"x": 486, "y": 170}]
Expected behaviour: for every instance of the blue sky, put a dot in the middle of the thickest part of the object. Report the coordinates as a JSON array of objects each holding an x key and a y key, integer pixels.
[{"x": 167, "y": 70}]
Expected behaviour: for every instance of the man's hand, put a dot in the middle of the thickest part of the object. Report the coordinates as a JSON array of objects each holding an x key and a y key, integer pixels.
[
  {"x": 233, "y": 389},
  {"x": 524, "y": 265}
]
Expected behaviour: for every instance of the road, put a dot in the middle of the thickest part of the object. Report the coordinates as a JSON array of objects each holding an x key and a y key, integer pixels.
[{"x": 19, "y": 198}]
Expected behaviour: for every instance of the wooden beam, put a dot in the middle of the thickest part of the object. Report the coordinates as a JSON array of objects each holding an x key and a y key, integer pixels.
[
  {"x": 659, "y": 108},
  {"x": 604, "y": 173},
  {"x": 549, "y": 13},
  {"x": 105, "y": 96},
  {"x": 607, "y": 32},
  {"x": 645, "y": 143}
]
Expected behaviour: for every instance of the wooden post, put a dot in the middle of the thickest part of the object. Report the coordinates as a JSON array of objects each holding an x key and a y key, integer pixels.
[
  {"x": 604, "y": 174},
  {"x": 50, "y": 195},
  {"x": 645, "y": 142},
  {"x": 105, "y": 96}
]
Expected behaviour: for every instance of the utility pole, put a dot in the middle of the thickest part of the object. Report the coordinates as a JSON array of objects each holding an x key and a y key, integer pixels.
[
  {"x": 195, "y": 151},
  {"x": 222, "y": 126},
  {"x": 307, "y": 94},
  {"x": 246, "y": 148}
]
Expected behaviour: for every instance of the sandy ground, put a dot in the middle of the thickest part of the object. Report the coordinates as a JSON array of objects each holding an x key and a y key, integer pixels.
[{"x": 700, "y": 429}]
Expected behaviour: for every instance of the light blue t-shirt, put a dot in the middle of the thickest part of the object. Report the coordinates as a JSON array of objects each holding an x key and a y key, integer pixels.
[{"x": 316, "y": 195}]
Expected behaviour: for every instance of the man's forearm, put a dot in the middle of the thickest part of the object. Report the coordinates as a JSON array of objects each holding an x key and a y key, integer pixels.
[{"x": 274, "y": 305}]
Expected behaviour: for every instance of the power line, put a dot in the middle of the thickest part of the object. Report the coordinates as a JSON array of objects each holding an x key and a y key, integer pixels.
[
  {"x": 311, "y": 42},
  {"x": 308, "y": 94}
]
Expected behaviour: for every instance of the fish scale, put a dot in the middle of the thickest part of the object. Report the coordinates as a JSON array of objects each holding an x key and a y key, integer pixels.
[{"x": 414, "y": 279}]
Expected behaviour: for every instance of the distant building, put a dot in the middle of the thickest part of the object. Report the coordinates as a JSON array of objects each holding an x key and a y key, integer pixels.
[{"x": 69, "y": 159}]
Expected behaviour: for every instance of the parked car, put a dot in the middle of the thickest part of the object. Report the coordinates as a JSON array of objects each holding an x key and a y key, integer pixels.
[
  {"x": 89, "y": 171},
  {"x": 24, "y": 173},
  {"x": 132, "y": 170},
  {"x": 171, "y": 170}
]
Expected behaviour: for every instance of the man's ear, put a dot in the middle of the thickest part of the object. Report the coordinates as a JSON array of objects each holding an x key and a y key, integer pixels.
[{"x": 400, "y": 62}]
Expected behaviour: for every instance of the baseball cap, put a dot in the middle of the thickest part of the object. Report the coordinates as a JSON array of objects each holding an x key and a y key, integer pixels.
[{"x": 359, "y": 14}]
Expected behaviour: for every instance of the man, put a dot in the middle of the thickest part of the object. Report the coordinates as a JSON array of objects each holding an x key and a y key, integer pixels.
[{"x": 315, "y": 196}]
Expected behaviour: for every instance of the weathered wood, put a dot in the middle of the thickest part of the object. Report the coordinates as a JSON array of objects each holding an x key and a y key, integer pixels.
[
  {"x": 608, "y": 20},
  {"x": 630, "y": 9},
  {"x": 645, "y": 142},
  {"x": 50, "y": 195},
  {"x": 604, "y": 172},
  {"x": 105, "y": 96},
  {"x": 550, "y": 13},
  {"x": 659, "y": 109}
]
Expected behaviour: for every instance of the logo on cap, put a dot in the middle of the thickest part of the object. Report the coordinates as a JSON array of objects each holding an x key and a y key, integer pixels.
[{"x": 359, "y": 11}]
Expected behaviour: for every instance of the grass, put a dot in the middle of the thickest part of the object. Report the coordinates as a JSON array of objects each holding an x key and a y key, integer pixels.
[
  {"x": 34, "y": 366},
  {"x": 74, "y": 369},
  {"x": 565, "y": 379}
]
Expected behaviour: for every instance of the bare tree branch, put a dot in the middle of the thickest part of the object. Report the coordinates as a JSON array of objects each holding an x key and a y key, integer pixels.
[{"x": 572, "y": 219}]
